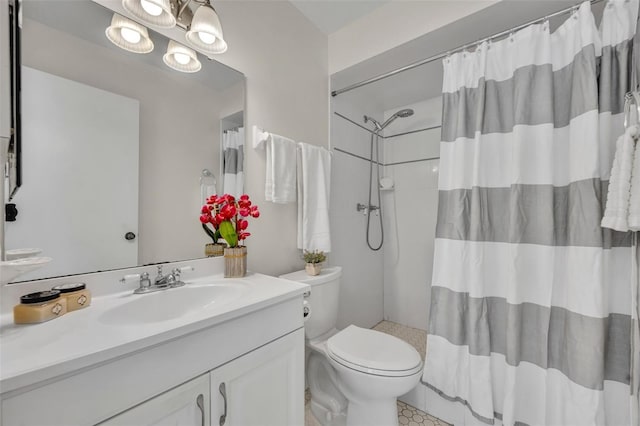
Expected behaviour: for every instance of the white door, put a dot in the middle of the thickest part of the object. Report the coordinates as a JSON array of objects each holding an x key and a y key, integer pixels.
[
  {"x": 185, "y": 405},
  {"x": 262, "y": 388},
  {"x": 79, "y": 196}
]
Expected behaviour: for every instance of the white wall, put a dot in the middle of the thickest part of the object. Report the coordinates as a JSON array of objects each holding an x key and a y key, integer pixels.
[
  {"x": 361, "y": 293},
  {"x": 393, "y": 24},
  {"x": 411, "y": 213},
  {"x": 284, "y": 58}
]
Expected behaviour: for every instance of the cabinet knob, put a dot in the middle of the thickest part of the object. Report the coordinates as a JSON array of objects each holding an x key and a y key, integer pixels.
[{"x": 129, "y": 236}]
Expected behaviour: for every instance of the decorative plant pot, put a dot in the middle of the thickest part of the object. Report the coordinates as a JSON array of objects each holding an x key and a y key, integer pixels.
[
  {"x": 313, "y": 268},
  {"x": 235, "y": 262},
  {"x": 214, "y": 249}
]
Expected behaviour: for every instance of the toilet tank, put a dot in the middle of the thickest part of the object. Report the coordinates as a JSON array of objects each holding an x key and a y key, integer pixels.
[{"x": 323, "y": 299}]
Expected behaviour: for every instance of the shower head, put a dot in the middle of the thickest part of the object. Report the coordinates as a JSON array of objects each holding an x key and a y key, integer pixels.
[{"x": 403, "y": 113}]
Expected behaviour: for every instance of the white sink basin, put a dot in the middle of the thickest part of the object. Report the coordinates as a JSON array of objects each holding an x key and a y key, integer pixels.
[{"x": 173, "y": 303}]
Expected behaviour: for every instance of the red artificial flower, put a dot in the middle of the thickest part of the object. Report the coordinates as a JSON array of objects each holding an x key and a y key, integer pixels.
[
  {"x": 221, "y": 208},
  {"x": 228, "y": 211}
]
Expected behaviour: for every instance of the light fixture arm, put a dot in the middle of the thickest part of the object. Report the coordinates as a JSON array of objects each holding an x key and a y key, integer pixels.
[
  {"x": 182, "y": 13},
  {"x": 183, "y": 6}
]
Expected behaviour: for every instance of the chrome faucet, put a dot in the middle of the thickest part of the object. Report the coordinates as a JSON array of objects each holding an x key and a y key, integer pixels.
[
  {"x": 164, "y": 280},
  {"x": 172, "y": 279},
  {"x": 161, "y": 282}
]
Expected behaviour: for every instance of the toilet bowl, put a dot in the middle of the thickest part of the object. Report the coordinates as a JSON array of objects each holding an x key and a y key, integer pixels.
[{"x": 356, "y": 374}]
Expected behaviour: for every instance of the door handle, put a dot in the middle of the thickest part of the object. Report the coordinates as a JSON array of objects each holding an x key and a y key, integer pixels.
[
  {"x": 200, "y": 404},
  {"x": 223, "y": 392}
]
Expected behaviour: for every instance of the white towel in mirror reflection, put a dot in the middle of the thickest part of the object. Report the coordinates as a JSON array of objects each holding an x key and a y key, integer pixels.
[{"x": 207, "y": 186}]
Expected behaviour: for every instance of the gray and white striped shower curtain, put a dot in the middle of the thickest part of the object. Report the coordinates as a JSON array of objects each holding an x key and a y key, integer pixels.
[
  {"x": 233, "y": 162},
  {"x": 531, "y": 310}
]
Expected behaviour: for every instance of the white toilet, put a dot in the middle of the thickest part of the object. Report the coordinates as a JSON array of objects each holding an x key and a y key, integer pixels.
[{"x": 355, "y": 374}]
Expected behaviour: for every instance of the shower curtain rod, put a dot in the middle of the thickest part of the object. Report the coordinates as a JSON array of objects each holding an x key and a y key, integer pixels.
[{"x": 442, "y": 55}]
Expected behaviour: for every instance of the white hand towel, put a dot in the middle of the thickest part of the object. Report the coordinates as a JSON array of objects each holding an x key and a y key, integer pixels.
[
  {"x": 617, "y": 208},
  {"x": 634, "y": 199},
  {"x": 314, "y": 183},
  {"x": 280, "y": 182}
]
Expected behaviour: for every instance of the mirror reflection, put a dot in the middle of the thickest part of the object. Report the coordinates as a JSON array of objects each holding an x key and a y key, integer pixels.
[{"x": 114, "y": 144}]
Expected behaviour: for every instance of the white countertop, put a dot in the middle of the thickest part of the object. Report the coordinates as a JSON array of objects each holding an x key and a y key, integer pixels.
[{"x": 33, "y": 353}]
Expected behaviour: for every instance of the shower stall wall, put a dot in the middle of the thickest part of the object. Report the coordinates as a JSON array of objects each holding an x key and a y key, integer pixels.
[
  {"x": 398, "y": 278},
  {"x": 361, "y": 292},
  {"x": 410, "y": 211}
]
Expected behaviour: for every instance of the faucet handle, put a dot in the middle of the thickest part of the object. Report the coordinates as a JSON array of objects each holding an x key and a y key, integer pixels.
[
  {"x": 129, "y": 278},
  {"x": 143, "y": 280},
  {"x": 177, "y": 271}
]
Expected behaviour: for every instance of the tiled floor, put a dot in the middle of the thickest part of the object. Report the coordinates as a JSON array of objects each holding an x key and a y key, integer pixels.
[
  {"x": 414, "y": 336},
  {"x": 407, "y": 415}
]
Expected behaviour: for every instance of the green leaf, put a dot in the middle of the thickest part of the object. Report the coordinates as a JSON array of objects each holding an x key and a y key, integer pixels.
[
  {"x": 228, "y": 232},
  {"x": 213, "y": 235}
]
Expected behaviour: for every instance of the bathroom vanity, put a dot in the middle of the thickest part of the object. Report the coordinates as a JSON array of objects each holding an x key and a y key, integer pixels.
[{"x": 214, "y": 352}]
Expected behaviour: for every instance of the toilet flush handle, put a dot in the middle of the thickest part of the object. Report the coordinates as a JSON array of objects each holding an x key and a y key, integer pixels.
[{"x": 306, "y": 310}]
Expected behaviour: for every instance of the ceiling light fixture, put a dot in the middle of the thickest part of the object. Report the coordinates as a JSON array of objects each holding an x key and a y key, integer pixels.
[
  {"x": 181, "y": 58},
  {"x": 205, "y": 31},
  {"x": 156, "y": 13},
  {"x": 129, "y": 35}
]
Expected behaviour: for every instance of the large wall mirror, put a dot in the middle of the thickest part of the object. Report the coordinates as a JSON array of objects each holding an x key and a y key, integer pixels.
[{"x": 114, "y": 144}]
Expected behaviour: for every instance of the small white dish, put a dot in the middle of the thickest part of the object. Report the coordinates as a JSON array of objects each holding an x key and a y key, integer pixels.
[
  {"x": 11, "y": 269},
  {"x": 20, "y": 253},
  {"x": 386, "y": 183}
]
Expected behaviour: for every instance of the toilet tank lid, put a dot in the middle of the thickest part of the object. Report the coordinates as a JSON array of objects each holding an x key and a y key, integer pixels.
[{"x": 326, "y": 275}]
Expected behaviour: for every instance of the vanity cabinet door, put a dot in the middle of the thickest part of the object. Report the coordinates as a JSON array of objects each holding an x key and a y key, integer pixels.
[
  {"x": 185, "y": 405},
  {"x": 262, "y": 388}
]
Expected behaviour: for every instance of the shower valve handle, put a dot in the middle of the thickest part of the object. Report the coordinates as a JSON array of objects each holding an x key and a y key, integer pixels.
[{"x": 362, "y": 208}]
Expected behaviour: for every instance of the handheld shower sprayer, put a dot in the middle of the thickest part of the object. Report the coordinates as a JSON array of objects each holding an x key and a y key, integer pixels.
[{"x": 366, "y": 209}]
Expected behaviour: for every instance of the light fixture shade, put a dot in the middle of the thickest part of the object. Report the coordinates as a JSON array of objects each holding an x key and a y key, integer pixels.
[
  {"x": 164, "y": 20},
  {"x": 174, "y": 50},
  {"x": 114, "y": 34},
  {"x": 206, "y": 20}
]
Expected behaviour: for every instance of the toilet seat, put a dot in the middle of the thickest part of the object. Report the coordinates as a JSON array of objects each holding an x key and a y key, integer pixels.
[{"x": 373, "y": 352}]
